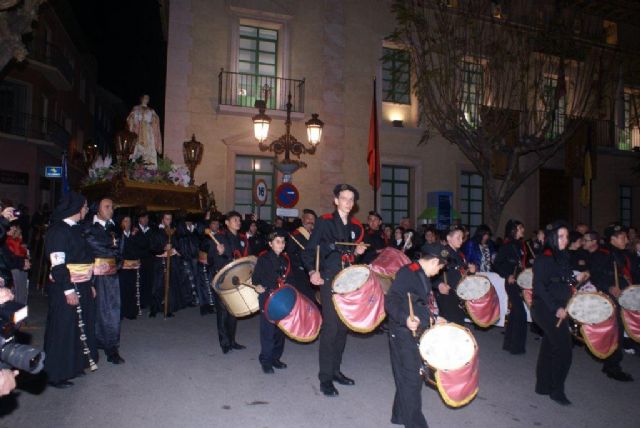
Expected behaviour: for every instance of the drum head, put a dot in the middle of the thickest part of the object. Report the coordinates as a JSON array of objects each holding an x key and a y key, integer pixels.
[
  {"x": 241, "y": 268},
  {"x": 525, "y": 279},
  {"x": 351, "y": 279},
  {"x": 447, "y": 346},
  {"x": 280, "y": 303},
  {"x": 473, "y": 287},
  {"x": 590, "y": 308},
  {"x": 630, "y": 298}
]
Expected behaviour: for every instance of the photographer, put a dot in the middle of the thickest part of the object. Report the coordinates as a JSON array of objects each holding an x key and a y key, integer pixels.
[
  {"x": 7, "y": 262},
  {"x": 7, "y": 377}
]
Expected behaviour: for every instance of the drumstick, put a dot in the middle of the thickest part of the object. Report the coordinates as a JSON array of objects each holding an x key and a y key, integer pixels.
[
  {"x": 615, "y": 275},
  {"x": 353, "y": 244},
  {"x": 559, "y": 322},
  {"x": 533, "y": 255},
  {"x": 411, "y": 312},
  {"x": 236, "y": 281},
  {"x": 211, "y": 235},
  {"x": 296, "y": 241},
  {"x": 318, "y": 258}
]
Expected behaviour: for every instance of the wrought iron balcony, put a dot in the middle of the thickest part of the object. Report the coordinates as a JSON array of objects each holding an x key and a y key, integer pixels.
[
  {"x": 59, "y": 71},
  {"x": 243, "y": 89},
  {"x": 34, "y": 127}
]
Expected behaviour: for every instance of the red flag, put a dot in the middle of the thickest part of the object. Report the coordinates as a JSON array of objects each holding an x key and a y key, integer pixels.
[{"x": 373, "y": 154}]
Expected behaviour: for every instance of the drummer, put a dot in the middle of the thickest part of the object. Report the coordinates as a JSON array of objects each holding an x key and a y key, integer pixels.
[
  {"x": 601, "y": 264},
  {"x": 552, "y": 278},
  {"x": 339, "y": 226},
  {"x": 233, "y": 245},
  {"x": 448, "y": 301},
  {"x": 294, "y": 249},
  {"x": 509, "y": 263},
  {"x": 405, "y": 358},
  {"x": 271, "y": 271},
  {"x": 374, "y": 237}
]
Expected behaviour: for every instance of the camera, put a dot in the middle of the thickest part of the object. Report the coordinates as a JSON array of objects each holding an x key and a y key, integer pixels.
[{"x": 14, "y": 355}]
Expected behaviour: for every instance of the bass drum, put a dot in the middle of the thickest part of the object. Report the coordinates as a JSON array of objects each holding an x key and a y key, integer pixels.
[
  {"x": 595, "y": 313},
  {"x": 480, "y": 300},
  {"x": 451, "y": 351},
  {"x": 358, "y": 298},
  {"x": 630, "y": 311}
]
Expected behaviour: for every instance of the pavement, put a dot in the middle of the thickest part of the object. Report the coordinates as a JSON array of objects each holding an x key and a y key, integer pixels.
[{"x": 175, "y": 375}]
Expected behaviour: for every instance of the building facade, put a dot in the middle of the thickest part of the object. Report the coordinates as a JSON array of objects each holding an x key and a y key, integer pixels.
[
  {"x": 47, "y": 106},
  {"x": 222, "y": 53}
]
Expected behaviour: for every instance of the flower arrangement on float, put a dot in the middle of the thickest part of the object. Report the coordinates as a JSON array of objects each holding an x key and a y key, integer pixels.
[{"x": 104, "y": 169}]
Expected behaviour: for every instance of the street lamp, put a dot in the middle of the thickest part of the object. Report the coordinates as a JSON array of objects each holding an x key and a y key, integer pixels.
[
  {"x": 192, "y": 153},
  {"x": 286, "y": 144}
]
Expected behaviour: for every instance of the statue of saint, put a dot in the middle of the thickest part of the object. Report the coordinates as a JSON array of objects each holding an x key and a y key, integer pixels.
[{"x": 144, "y": 121}]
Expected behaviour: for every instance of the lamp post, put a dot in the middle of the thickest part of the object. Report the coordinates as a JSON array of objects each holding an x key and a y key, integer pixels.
[
  {"x": 125, "y": 143},
  {"x": 192, "y": 153},
  {"x": 286, "y": 144}
]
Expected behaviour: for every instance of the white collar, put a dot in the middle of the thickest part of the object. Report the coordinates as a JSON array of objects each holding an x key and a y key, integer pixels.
[
  {"x": 70, "y": 222},
  {"x": 161, "y": 226},
  {"x": 143, "y": 228},
  {"x": 127, "y": 233},
  {"x": 103, "y": 223}
]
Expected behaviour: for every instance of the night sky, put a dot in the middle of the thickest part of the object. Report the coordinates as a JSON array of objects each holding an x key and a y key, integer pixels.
[{"x": 125, "y": 37}]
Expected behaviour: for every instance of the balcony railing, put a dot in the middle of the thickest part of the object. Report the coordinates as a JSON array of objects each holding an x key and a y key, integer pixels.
[
  {"x": 34, "y": 127},
  {"x": 52, "y": 55},
  {"x": 243, "y": 89}
]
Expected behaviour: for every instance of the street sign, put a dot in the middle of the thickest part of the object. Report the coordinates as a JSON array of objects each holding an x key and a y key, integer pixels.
[
  {"x": 287, "y": 212},
  {"x": 287, "y": 195},
  {"x": 260, "y": 192},
  {"x": 53, "y": 171}
]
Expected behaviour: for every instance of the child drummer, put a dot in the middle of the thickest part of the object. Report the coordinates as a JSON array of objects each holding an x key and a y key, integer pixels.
[
  {"x": 411, "y": 280},
  {"x": 270, "y": 272}
]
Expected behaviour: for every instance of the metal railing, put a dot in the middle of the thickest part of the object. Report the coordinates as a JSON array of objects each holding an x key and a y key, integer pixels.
[
  {"x": 52, "y": 55},
  {"x": 243, "y": 89},
  {"x": 29, "y": 126}
]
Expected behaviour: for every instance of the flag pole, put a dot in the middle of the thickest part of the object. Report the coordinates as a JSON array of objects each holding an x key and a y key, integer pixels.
[{"x": 375, "y": 169}]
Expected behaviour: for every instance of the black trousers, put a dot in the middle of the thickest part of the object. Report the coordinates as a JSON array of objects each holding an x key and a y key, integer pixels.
[
  {"x": 554, "y": 359},
  {"x": 333, "y": 336},
  {"x": 406, "y": 364},
  {"x": 227, "y": 324},
  {"x": 206, "y": 295},
  {"x": 107, "y": 312},
  {"x": 515, "y": 334},
  {"x": 128, "y": 298},
  {"x": 146, "y": 281},
  {"x": 188, "y": 271},
  {"x": 449, "y": 307},
  {"x": 271, "y": 339}
]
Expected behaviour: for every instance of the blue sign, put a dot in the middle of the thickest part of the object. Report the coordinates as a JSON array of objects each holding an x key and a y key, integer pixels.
[
  {"x": 287, "y": 195},
  {"x": 53, "y": 171}
]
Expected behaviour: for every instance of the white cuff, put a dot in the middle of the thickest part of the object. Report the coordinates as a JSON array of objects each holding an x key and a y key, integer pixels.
[{"x": 70, "y": 291}]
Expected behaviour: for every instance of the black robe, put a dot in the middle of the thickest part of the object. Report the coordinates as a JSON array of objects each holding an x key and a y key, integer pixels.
[
  {"x": 62, "y": 344},
  {"x": 134, "y": 247},
  {"x": 299, "y": 276},
  {"x": 158, "y": 240}
]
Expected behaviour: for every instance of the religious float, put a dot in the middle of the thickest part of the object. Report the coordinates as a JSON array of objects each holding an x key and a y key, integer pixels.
[{"x": 138, "y": 177}]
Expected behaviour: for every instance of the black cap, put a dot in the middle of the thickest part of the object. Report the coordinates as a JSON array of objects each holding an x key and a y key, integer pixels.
[
  {"x": 342, "y": 187},
  {"x": 276, "y": 233},
  {"x": 613, "y": 230},
  {"x": 70, "y": 204},
  {"x": 375, "y": 213}
]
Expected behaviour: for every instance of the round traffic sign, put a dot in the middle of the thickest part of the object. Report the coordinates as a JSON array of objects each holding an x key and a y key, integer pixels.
[
  {"x": 260, "y": 192},
  {"x": 287, "y": 195}
]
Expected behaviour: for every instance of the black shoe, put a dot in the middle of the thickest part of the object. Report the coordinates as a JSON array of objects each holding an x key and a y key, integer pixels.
[
  {"x": 267, "y": 369},
  {"x": 279, "y": 364},
  {"x": 618, "y": 374},
  {"x": 169, "y": 315},
  {"x": 152, "y": 314},
  {"x": 204, "y": 310},
  {"x": 561, "y": 399},
  {"x": 115, "y": 358},
  {"x": 63, "y": 384},
  {"x": 226, "y": 349},
  {"x": 342, "y": 379},
  {"x": 542, "y": 392},
  {"x": 328, "y": 389},
  {"x": 81, "y": 374},
  {"x": 237, "y": 346}
]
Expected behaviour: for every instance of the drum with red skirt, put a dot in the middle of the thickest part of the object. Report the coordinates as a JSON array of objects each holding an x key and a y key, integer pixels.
[
  {"x": 296, "y": 315},
  {"x": 358, "y": 298},
  {"x": 595, "y": 313},
  {"x": 480, "y": 300},
  {"x": 525, "y": 281},
  {"x": 386, "y": 264},
  {"x": 630, "y": 311},
  {"x": 451, "y": 352}
]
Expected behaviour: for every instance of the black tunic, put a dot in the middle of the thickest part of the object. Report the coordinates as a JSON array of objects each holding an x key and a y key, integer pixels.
[
  {"x": 450, "y": 305},
  {"x": 405, "y": 358},
  {"x": 376, "y": 242},
  {"x": 299, "y": 277},
  {"x": 62, "y": 344},
  {"x": 551, "y": 278},
  {"x": 158, "y": 240},
  {"x": 271, "y": 270},
  {"x": 134, "y": 247},
  {"x": 328, "y": 230},
  {"x": 511, "y": 260}
]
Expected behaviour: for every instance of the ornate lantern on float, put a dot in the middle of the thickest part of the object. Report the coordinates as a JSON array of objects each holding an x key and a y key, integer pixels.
[
  {"x": 90, "y": 153},
  {"x": 192, "y": 152}
]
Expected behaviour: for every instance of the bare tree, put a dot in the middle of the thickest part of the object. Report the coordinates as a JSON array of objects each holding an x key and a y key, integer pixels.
[
  {"x": 507, "y": 82},
  {"x": 16, "y": 17}
]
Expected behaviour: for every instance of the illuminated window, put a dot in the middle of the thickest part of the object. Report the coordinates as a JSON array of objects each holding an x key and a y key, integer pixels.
[
  {"x": 472, "y": 87},
  {"x": 396, "y": 76},
  {"x": 257, "y": 63},
  {"x": 395, "y": 192},
  {"x": 248, "y": 171},
  {"x": 556, "y": 125},
  {"x": 471, "y": 200}
]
